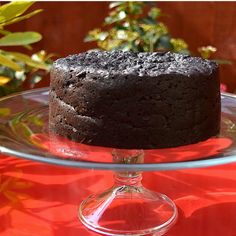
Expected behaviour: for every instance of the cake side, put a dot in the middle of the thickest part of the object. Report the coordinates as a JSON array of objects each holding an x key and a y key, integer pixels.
[{"x": 108, "y": 107}]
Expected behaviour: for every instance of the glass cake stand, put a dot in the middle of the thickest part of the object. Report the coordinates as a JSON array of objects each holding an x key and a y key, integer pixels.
[{"x": 24, "y": 133}]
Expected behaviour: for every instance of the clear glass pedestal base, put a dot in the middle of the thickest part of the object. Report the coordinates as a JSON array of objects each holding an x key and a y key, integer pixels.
[{"x": 128, "y": 208}]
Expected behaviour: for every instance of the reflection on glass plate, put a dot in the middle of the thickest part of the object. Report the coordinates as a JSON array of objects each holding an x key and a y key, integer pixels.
[{"x": 24, "y": 133}]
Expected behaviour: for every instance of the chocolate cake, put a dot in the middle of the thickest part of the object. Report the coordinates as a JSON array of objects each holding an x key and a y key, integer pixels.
[{"x": 134, "y": 100}]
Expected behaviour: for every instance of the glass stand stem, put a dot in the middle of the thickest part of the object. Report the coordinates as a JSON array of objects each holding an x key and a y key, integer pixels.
[
  {"x": 131, "y": 179},
  {"x": 127, "y": 208}
]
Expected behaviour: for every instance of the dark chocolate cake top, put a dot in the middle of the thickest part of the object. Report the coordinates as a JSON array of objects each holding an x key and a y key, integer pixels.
[{"x": 136, "y": 63}]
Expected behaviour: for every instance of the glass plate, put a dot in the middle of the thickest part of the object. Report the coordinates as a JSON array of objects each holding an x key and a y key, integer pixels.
[{"x": 24, "y": 133}]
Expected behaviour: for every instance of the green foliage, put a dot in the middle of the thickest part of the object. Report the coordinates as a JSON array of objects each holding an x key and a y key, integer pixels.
[
  {"x": 15, "y": 67},
  {"x": 130, "y": 26},
  {"x": 13, "y": 10},
  {"x": 207, "y": 51},
  {"x": 136, "y": 26}
]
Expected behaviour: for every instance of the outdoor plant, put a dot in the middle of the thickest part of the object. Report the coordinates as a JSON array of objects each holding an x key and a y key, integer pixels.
[
  {"x": 127, "y": 27},
  {"x": 136, "y": 26},
  {"x": 17, "y": 67}
]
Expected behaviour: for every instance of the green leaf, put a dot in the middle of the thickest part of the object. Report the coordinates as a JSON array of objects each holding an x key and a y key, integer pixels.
[
  {"x": 24, "y": 128},
  {"x": 49, "y": 56},
  {"x": 13, "y": 9},
  {"x": 20, "y": 18},
  {"x": 27, "y": 60},
  {"x": 207, "y": 51},
  {"x": 154, "y": 12},
  {"x": 223, "y": 62},
  {"x": 164, "y": 43},
  {"x": 4, "y": 32},
  {"x": 19, "y": 127},
  {"x": 135, "y": 8},
  {"x": 20, "y": 38},
  {"x": 115, "y": 4},
  {"x": 148, "y": 21},
  {"x": 6, "y": 71},
  {"x": 27, "y": 47},
  {"x": 5, "y": 61},
  {"x": 179, "y": 45}
]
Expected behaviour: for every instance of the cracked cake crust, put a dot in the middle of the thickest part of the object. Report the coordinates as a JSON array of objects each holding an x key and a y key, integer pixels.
[{"x": 134, "y": 100}]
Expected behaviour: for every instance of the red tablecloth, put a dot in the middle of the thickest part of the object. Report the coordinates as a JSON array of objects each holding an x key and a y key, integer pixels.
[{"x": 42, "y": 200}]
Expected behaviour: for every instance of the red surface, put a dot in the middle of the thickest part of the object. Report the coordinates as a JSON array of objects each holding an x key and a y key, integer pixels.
[{"x": 42, "y": 200}]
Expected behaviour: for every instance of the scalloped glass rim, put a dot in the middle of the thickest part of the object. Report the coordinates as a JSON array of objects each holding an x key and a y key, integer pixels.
[{"x": 224, "y": 158}]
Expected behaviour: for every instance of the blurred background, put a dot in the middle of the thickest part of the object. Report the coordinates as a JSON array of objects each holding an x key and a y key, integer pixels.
[{"x": 64, "y": 26}]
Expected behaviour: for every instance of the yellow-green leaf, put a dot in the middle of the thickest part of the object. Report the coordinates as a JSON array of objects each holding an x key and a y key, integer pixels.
[
  {"x": 4, "y": 80},
  {"x": 20, "y": 18},
  {"x": 4, "y": 111},
  {"x": 50, "y": 55},
  {"x": 154, "y": 12},
  {"x": 27, "y": 60},
  {"x": 207, "y": 51},
  {"x": 4, "y": 32},
  {"x": 223, "y": 61},
  {"x": 13, "y": 9},
  {"x": 25, "y": 130},
  {"x": 20, "y": 38},
  {"x": 5, "y": 61},
  {"x": 178, "y": 44}
]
